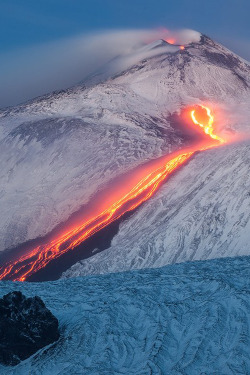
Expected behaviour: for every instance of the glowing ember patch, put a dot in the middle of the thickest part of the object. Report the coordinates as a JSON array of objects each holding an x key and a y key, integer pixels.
[
  {"x": 39, "y": 257},
  {"x": 170, "y": 41},
  {"x": 182, "y": 47}
]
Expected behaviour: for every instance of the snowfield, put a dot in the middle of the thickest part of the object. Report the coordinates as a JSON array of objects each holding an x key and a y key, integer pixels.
[{"x": 191, "y": 318}]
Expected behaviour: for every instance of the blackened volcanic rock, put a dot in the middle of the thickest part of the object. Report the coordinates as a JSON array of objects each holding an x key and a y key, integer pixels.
[{"x": 26, "y": 325}]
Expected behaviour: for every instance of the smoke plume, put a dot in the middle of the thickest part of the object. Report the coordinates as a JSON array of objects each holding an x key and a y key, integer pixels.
[{"x": 27, "y": 73}]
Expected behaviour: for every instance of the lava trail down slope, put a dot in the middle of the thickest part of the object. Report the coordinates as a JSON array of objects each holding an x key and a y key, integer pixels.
[{"x": 37, "y": 258}]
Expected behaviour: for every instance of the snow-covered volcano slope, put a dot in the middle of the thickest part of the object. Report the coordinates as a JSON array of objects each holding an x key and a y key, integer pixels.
[
  {"x": 201, "y": 212},
  {"x": 57, "y": 151},
  {"x": 187, "y": 319}
]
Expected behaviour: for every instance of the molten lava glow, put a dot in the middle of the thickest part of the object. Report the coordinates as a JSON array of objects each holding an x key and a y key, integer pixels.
[
  {"x": 182, "y": 47},
  {"x": 40, "y": 256},
  {"x": 170, "y": 41},
  {"x": 208, "y": 127}
]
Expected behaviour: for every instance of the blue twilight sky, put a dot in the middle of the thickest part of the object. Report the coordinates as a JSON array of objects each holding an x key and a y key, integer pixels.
[{"x": 25, "y": 24}]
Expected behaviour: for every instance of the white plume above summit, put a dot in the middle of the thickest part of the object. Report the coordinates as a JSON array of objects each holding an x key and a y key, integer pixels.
[
  {"x": 57, "y": 65},
  {"x": 183, "y": 36}
]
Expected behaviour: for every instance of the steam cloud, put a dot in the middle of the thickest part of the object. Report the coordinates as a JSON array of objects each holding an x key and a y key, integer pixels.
[{"x": 31, "y": 72}]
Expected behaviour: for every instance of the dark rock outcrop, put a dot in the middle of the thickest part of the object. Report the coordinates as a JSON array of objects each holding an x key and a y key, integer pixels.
[{"x": 26, "y": 325}]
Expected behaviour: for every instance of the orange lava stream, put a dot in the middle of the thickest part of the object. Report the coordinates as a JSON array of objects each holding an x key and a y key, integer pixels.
[
  {"x": 208, "y": 129},
  {"x": 40, "y": 256}
]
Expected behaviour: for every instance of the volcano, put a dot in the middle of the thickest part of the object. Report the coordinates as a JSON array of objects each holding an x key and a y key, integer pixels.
[
  {"x": 60, "y": 150},
  {"x": 156, "y": 144}
]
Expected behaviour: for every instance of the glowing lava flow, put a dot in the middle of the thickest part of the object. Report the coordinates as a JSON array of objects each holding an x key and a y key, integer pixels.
[
  {"x": 208, "y": 129},
  {"x": 40, "y": 256}
]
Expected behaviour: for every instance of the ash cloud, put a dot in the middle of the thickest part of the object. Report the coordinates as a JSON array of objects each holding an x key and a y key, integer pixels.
[{"x": 27, "y": 73}]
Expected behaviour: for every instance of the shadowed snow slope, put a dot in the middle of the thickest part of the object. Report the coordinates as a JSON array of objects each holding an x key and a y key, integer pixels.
[
  {"x": 57, "y": 151},
  {"x": 186, "y": 319}
]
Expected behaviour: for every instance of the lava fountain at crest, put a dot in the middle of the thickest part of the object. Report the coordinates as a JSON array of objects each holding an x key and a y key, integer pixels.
[{"x": 33, "y": 260}]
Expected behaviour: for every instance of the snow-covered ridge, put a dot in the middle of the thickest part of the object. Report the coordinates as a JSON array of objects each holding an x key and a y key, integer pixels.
[{"x": 191, "y": 318}]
